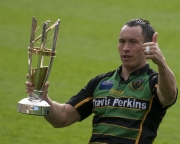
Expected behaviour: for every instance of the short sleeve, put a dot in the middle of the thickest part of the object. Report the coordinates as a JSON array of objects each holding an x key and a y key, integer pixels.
[
  {"x": 82, "y": 101},
  {"x": 154, "y": 86}
]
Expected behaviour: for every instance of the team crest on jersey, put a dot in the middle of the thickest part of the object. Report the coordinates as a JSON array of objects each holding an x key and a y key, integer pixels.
[{"x": 137, "y": 85}]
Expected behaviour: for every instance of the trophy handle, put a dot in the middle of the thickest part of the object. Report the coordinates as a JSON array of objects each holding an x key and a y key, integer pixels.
[
  {"x": 56, "y": 30},
  {"x": 33, "y": 30}
]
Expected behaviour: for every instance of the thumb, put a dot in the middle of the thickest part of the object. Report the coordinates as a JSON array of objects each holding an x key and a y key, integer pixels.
[
  {"x": 45, "y": 90},
  {"x": 46, "y": 85},
  {"x": 154, "y": 38}
]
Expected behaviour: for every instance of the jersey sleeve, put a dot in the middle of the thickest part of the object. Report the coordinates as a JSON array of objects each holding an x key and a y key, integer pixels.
[
  {"x": 82, "y": 101},
  {"x": 154, "y": 86}
]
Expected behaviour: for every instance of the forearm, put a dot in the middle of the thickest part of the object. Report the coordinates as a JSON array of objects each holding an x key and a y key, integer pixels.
[
  {"x": 167, "y": 83},
  {"x": 61, "y": 115},
  {"x": 56, "y": 114}
]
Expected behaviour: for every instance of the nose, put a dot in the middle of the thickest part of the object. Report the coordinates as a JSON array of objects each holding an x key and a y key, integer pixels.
[{"x": 126, "y": 47}]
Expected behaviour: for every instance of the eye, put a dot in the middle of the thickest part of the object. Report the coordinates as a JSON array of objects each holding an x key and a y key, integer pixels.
[
  {"x": 121, "y": 41},
  {"x": 133, "y": 42}
]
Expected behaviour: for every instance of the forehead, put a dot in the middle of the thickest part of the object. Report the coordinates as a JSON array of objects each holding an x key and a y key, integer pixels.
[{"x": 134, "y": 32}]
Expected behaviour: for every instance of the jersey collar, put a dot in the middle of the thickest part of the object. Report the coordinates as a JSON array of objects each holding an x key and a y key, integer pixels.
[{"x": 138, "y": 71}]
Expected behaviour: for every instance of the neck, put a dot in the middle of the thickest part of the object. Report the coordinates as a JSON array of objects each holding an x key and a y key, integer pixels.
[{"x": 126, "y": 71}]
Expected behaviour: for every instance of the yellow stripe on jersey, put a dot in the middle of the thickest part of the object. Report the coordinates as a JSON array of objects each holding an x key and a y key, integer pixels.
[
  {"x": 82, "y": 102},
  {"x": 140, "y": 131}
]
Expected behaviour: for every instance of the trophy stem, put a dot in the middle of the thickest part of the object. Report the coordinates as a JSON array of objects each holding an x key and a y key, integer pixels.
[{"x": 38, "y": 73}]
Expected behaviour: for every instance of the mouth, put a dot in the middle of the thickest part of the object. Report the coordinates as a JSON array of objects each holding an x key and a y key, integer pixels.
[{"x": 126, "y": 57}]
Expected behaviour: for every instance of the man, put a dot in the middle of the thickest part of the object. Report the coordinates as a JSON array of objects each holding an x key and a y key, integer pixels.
[{"x": 128, "y": 103}]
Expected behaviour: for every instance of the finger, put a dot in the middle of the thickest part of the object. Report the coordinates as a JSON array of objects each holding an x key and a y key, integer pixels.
[
  {"x": 150, "y": 47},
  {"x": 29, "y": 89},
  {"x": 149, "y": 57},
  {"x": 45, "y": 90},
  {"x": 46, "y": 85},
  {"x": 154, "y": 38},
  {"x": 148, "y": 44},
  {"x": 28, "y": 84},
  {"x": 148, "y": 53},
  {"x": 149, "y": 50}
]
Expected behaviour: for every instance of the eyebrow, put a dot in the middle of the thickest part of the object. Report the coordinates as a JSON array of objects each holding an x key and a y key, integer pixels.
[{"x": 128, "y": 38}]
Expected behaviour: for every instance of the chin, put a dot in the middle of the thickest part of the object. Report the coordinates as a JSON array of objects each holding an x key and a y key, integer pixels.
[{"x": 129, "y": 65}]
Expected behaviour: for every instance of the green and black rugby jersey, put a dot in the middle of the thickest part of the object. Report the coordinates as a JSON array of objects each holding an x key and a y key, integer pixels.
[{"x": 125, "y": 112}]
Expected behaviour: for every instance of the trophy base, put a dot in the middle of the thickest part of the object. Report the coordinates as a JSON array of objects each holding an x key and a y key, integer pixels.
[{"x": 39, "y": 108}]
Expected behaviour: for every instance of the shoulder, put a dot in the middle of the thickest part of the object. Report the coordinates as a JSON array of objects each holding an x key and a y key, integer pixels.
[
  {"x": 93, "y": 83},
  {"x": 153, "y": 78},
  {"x": 99, "y": 77}
]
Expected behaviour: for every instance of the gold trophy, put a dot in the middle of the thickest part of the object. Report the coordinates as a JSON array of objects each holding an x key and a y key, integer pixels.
[{"x": 39, "y": 74}]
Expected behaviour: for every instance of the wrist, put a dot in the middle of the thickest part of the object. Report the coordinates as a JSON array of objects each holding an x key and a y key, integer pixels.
[{"x": 47, "y": 99}]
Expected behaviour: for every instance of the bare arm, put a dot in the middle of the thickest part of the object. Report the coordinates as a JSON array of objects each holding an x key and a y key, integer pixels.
[
  {"x": 166, "y": 89},
  {"x": 61, "y": 115},
  {"x": 167, "y": 85}
]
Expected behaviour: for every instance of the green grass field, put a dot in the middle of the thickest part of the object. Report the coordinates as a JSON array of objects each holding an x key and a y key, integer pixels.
[{"x": 87, "y": 46}]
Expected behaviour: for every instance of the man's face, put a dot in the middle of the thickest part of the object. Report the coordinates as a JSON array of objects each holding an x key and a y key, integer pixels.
[{"x": 130, "y": 47}]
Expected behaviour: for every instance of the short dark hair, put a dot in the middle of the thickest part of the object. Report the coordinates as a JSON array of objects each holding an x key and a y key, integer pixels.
[{"x": 147, "y": 29}]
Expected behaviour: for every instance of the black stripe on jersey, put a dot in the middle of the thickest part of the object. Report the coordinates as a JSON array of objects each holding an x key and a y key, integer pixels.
[
  {"x": 119, "y": 121},
  {"x": 110, "y": 139}
]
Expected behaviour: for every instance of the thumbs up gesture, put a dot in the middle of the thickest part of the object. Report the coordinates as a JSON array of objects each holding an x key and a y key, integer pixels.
[{"x": 153, "y": 52}]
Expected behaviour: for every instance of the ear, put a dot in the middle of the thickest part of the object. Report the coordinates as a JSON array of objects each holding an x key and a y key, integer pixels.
[{"x": 154, "y": 38}]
